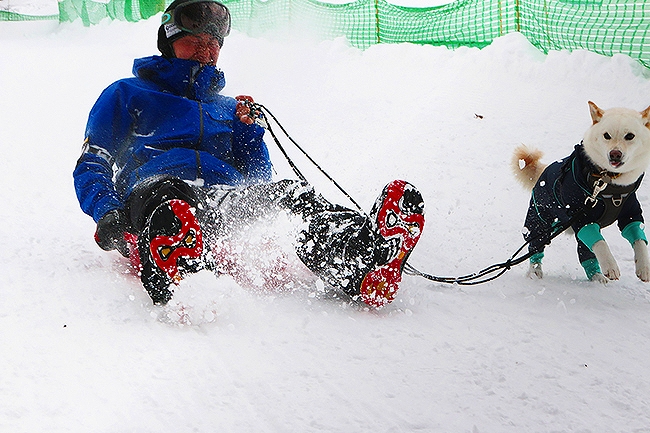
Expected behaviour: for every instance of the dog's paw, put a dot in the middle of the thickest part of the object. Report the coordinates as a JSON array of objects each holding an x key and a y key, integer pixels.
[
  {"x": 643, "y": 273},
  {"x": 613, "y": 273},
  {"x": 606, "y": 259},
  {"x": 599, "y": 278},
  {"x": 535, "y": 271}
]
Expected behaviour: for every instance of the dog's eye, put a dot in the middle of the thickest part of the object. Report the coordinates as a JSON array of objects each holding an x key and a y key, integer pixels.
[
  {"x": 629, "y": 136},
  {"x": 607, "y": 136}
]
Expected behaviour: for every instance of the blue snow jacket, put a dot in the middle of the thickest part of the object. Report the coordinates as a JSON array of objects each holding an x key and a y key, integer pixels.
[{"x": 168, "y": 119}]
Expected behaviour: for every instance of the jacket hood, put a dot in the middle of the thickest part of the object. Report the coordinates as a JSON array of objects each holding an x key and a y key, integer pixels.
[{"x": 187, "y": 78}]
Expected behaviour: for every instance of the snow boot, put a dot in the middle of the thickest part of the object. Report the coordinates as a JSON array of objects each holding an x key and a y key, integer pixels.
[
  {"x": 398, "y": 216},
  {"x": 170, "y": 247}
]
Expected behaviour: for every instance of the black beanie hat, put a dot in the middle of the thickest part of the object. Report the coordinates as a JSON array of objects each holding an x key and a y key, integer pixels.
[{"x": 164, "y": 41}]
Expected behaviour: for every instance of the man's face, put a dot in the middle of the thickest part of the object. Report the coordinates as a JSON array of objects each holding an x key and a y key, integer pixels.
[{"x": 201, "y": 47}]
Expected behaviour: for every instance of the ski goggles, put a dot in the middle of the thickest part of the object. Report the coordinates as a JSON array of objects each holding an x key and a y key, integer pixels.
[{"x": 199, "y": 16}]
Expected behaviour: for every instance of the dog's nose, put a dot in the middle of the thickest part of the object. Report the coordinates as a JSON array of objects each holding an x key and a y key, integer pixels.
[{"x": 615, "y": 155}]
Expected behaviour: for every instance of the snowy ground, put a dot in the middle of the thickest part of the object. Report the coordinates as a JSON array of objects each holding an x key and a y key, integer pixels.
[{"x": 83, "y": 350}]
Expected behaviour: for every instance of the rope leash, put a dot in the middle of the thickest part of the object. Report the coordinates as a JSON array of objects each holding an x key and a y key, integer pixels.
[
  {"x": 260, "y": 115},
  {"x": 261, "y": 118},
  {"x": 498, "y": 269}
]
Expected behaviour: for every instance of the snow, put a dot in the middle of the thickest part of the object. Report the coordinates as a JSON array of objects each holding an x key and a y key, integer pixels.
[
  {"x": 30, "y": 7},
  {"x": 83, "y": 349}
]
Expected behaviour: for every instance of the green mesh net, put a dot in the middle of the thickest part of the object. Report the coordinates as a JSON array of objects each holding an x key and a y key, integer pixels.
[
  {"x": 14, "y": 16},
  {"x": 92, "y": 12},
  {"x": 604, "y": 26}
]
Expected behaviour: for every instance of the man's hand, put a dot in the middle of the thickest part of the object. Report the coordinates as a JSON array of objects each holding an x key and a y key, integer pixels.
[
  {"x": 246, "y": 110},
  {"x": 110, "y": 232}
]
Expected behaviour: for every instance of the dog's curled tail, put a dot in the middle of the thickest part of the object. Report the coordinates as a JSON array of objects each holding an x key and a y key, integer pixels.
[{"x": 526, "y": 165}]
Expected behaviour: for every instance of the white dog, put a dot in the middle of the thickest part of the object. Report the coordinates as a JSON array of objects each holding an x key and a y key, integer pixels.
[{"x": 590, "y": 189}]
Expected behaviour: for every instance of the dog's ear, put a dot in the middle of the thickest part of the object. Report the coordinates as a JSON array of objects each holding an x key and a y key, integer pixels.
[
  {"x": 596, "y": 113},
  {"x": 645, "y": 115}
]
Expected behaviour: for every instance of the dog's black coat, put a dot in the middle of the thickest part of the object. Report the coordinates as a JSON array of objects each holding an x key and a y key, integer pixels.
[{"x": 560, "y": 194}]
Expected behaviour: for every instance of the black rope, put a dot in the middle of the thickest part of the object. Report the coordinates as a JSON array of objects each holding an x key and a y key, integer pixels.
[
  {"x": 483, "y": 276},
  {"x": 501, "y": 268},
  {"x": 475, "y": 278},
  {"x": 267, "y": 113},
  {"x": 294, "y": 167}
]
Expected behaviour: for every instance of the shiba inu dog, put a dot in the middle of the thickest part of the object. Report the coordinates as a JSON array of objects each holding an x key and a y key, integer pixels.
[{"x": 590, "y": 189}]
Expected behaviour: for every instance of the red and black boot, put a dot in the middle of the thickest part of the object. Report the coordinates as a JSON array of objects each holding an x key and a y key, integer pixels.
[
  {"x": 170, "y": 247},
  {"x": 399, "y": 217}
]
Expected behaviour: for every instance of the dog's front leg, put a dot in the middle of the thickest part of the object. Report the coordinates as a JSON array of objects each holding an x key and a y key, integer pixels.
[
  {"x": 641, "y": 260},
  {"x": 606, "y": 260}
]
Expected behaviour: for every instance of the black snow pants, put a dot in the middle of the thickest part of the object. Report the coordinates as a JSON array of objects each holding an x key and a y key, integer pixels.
[{"x": 335, "y": 243}]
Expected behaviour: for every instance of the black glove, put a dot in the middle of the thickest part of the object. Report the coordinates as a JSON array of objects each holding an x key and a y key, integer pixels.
[{"x": 110, "y": 232}]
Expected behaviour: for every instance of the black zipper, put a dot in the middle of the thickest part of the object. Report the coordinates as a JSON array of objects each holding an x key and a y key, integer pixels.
[
  {"x": 190, "y": 91},
  {"x": 199, "y": 141}
]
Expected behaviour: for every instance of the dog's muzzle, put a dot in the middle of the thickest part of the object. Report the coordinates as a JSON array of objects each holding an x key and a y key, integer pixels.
[{"x": 616, "y": 158}]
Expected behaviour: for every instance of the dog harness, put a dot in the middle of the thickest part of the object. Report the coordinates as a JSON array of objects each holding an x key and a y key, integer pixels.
[{"x": 602, "y": 189}]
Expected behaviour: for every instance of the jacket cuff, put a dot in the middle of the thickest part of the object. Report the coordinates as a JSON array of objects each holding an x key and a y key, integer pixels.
[
  {"x": 104, "y": 207},
  {"x": 590, "y": 234},
  {"x": 634, "y": 232}
]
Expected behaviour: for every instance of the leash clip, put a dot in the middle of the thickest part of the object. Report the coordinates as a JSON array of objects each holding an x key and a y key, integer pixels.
[{"x": 599, "y": 186}]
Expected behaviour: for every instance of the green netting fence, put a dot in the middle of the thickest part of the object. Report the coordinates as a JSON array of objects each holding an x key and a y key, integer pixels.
[
  {"x": 92, "y": 12},
  {"x": 15, "y": 16},
  {"x": 606, "y": 27}
]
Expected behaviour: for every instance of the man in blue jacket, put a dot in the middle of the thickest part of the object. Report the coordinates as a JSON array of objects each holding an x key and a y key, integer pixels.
[{"x": 170, "y": 165}]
